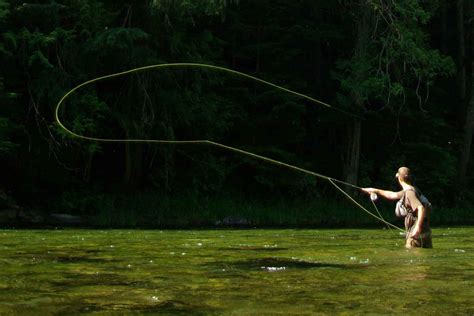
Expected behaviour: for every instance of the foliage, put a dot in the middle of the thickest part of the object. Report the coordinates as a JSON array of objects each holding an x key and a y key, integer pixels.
[
  {"x": 396, "y": 59},
  {"x": 380, "y": 55}
]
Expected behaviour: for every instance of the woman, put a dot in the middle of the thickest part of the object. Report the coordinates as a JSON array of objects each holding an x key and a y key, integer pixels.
[{"x": 412, "y": 205}]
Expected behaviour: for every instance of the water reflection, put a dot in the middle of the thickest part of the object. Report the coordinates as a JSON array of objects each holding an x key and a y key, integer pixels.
[{"x": 416, "y": 268}]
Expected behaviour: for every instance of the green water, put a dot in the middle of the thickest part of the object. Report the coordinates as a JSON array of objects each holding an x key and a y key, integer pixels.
[{"x": 204, "y": 272}]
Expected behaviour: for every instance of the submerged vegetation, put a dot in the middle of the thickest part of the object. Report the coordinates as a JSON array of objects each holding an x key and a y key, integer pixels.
[{"x": 221, "y": 272}]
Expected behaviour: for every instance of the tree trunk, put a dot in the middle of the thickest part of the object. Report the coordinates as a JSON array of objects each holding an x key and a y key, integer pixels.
[
  {"x": 461, "y": 54},
  {"x": 353, "y": 136},
  {"x": 352, "y": 155},
  {"x": 259, "y": 43},
  {"x": 444, "y": 27},
  {"x": 318, "y": 66},
  {"x": 133, "y": 173},
  {"x": 467, "y": 141},
  {"x": 468, "y": 131},
  {"x": 466, "y": 108},
  {"x": 137, "y": 172},
  {"x": 127, "y": 175},
  {"x": 88, "y": 166}
]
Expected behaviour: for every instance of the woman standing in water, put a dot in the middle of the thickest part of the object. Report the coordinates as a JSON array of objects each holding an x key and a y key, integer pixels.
[{"x": 413, "y": 206}]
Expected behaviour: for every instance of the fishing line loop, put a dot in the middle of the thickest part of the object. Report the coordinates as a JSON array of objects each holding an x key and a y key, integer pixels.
[{"x": 209, "y": 142}]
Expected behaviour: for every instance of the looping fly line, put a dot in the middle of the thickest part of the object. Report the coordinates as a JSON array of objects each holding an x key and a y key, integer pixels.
[{"x": 209, "y": 142}]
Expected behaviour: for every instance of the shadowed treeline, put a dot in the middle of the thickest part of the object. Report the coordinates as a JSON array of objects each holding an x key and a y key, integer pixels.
[{"x": 404, "y": 68}]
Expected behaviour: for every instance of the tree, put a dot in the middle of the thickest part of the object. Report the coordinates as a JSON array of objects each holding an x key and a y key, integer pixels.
[
  {"x": 376, "y": 59},
  {"x": 391, "y": 61},
  {"x": 7, "y": 146},
  {"x": 465, "y": 60}
]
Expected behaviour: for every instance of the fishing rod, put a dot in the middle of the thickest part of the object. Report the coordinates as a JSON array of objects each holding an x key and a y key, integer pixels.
[{"x": 210, "y": 142}]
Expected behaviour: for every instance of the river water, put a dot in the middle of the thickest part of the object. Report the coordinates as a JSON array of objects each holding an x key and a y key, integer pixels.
[{"x": 235, "y": 272}]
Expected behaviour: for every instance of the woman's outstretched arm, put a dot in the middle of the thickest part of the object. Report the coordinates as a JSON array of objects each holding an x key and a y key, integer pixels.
[{"x": 389, "y": 195}]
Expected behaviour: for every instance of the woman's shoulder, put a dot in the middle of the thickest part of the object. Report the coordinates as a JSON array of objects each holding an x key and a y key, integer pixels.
[{"x": 410, "y": 192}]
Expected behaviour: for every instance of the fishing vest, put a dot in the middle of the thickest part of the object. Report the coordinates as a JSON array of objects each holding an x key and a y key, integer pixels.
[{"x": 401, "y": 209}]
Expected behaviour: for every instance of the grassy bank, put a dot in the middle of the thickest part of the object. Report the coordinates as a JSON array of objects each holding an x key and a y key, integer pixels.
[{"x": 148, "y": 210}]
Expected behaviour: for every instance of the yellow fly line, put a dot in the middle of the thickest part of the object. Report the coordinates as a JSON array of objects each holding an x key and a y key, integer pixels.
[{"x": 210, "y": 142}]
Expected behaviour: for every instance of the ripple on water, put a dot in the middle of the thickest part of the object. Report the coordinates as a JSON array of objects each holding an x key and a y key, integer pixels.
[
  {"x": 153, "y": 306},
  {"x": 286, "y": 263},
  {"x": 273, "y": 269},
  {"x": 253, "y": 248},
  {"x": 103, "y": 279}
]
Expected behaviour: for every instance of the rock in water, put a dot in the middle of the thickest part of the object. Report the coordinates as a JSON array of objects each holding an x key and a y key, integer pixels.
[
  {"x": 66, "y": 219},
  {"x": 233, "y": 221}
]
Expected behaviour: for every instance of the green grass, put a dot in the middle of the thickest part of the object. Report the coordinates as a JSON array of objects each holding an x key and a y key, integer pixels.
[
  {"x": 452, "y": 216},
  {"x": 151, "y": 210}
]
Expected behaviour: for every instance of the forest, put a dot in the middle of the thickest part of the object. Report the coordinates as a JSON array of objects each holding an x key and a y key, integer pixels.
[{"x": 397, "y": 74}]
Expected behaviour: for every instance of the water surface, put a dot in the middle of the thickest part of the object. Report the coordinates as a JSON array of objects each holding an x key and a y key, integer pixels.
[{"x": 203, "y": 272}]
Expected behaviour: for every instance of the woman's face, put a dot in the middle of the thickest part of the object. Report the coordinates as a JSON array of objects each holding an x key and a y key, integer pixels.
[{"x": 397, "y": 176}]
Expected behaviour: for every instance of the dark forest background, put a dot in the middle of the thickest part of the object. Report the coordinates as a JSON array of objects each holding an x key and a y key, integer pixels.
[{"x": 403, "y": 67}]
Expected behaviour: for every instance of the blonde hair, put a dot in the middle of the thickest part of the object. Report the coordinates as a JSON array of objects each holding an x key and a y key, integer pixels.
[{"x": 405, "y": 174}]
